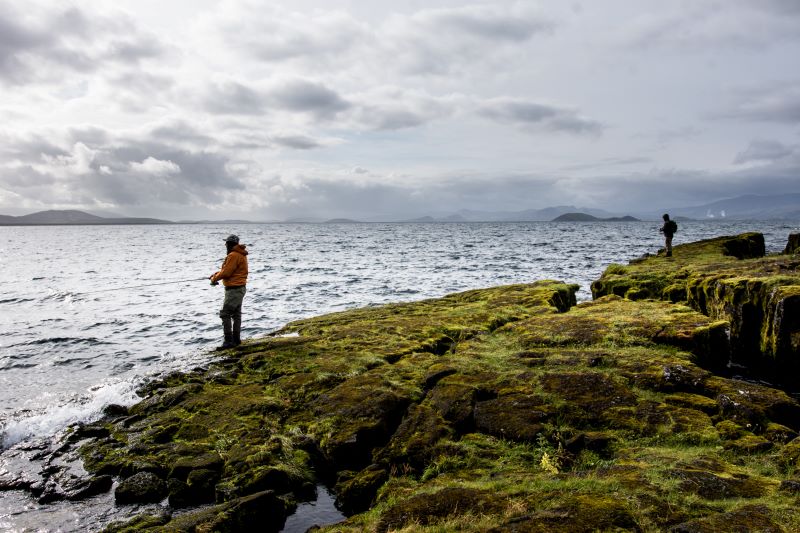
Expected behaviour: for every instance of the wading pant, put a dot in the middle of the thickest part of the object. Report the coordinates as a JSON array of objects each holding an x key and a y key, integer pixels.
[
  {"x": 231, "y": 313},
  {"x": 668, "y": 244}
]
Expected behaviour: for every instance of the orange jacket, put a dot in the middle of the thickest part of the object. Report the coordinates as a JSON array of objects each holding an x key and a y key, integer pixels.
[{"x": 234, "y": 269}]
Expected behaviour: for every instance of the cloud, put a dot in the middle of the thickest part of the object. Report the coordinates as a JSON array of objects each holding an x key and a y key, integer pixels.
[
  {"x": 234, "y": 98},
  {"x": 708, "y": 23},
  {"x": 301, "y": 95},
  {"x": 298, "y": 142},
  {"x": 763, "y": 150},
  {"x": 126, "y": 172},
  {"x": 778, "y": 104},
  {"x": 155, "y": 167},
  {"x": 42, "y": 44},
  {"x": 272, "y": 34},
  {"x": 492, "y": 23},
  {"x": 525, "y": 113}
]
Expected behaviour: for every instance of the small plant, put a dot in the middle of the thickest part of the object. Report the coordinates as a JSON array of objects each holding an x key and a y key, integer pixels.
[{"x": 551, "y": 456}]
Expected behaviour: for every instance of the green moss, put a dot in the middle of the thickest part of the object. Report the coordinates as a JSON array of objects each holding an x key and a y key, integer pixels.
[{"x": 502, "y": 409}]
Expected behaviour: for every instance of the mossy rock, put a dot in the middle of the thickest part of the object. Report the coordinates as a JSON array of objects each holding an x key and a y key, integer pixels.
[
  {"x": 508, "y": 409},
  {"x": 728, "y": 279},
  {"x": 716, "y": 487},
  {"x": 578, "y": 514},
  {"x": 357, "y": 416},
  {"x": 424, "y": 509},
  {"x": 745, "y": 519},
  {"x": 414, "y": 441},
  {"x": 514, "y": 416},
  {"x": 356, "y": 492},
  {"x": 586, "y": 395}
]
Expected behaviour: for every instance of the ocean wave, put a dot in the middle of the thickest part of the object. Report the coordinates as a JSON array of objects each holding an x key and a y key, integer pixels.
[
  {"x": 49, "y": 421},
  {"x": 16, "y": 300},
  {"x": 92, "y": 341}
]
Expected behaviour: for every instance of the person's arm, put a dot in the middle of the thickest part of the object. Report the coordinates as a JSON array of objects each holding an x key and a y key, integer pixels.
[{"x": 228, "y": 267}]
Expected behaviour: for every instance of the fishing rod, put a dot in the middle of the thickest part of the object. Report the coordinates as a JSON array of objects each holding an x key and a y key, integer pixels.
[{"x": 140, "y": 286}]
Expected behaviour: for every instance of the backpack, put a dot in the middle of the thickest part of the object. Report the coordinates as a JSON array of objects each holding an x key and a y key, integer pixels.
[{"x": 672, "y": 226}]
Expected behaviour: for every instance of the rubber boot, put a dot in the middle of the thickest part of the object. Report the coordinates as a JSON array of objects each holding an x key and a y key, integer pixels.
[
  {"x": 228, "y": 331},
  {"x": 237, "y": 331}
]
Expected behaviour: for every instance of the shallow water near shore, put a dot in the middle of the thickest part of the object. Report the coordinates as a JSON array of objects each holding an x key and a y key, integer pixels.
[{"x": 75, "y": 339}]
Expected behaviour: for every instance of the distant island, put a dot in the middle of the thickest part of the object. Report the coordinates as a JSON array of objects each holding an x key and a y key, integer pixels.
[
  {"x": 584, "y": 217},
  {"x": 72, "y": 217}
]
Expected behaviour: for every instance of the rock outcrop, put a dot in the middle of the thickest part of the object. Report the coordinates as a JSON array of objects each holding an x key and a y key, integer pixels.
[
  {"x": 507, "y": 409},
  {"x": 728, "y": 279}
]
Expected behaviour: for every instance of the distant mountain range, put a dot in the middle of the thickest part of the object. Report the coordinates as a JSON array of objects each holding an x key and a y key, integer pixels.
[
  {"x": 55, "y": 217},
  {"x": 749, "y": 207}
]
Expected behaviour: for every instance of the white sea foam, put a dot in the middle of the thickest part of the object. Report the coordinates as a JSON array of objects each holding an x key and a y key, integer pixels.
[{"x": 49, "y": 421}]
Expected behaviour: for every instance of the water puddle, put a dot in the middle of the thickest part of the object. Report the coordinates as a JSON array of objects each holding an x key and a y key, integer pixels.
[{"x": 321, "y": 512}]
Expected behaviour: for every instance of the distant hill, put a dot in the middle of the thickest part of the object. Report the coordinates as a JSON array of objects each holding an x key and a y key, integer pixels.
[
  {"x": 341, "y": 221},
  {"x": 56, "y": 217},
  {"x": 585, "y": 217}
]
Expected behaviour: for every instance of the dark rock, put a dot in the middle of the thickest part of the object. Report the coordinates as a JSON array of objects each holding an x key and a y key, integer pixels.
[
  {"x": 356, "y": 493},
  {"x": 265, "y": 478},
  {"x": 790, "y": 485},
  {"x": 595, "y": 441},
  {"x": 745, "y": 246},
  {"x": 114, "y": 410},
  {"x": 262, "y": 511},
  {"x": 713, "y": 487},
  {"x": 367, "y": 409},
  {"x": 436, "y": 373},
  {"x": 517, "y": 417},
  {"x": 746, "y": 519},
  {"x": 793, "y": 245},
  {"x": 415, "y": 438},
  {"x": 184, "y": 466},
  {"x": 455, "y": 402},
  {"x": 164, "y": 400},
  {"x": 144, "y": 487}
]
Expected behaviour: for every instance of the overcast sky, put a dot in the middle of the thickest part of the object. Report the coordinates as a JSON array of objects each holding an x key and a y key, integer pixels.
[{"x": 367, "y": 108}]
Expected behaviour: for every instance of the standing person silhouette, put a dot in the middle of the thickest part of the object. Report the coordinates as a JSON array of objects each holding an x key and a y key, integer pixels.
[
  {"x": 234, "y": 277},
  {"x": 668, "y": 229}
]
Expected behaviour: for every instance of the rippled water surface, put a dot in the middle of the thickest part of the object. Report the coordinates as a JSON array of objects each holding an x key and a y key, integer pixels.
[{"x": 86, "y": 315}]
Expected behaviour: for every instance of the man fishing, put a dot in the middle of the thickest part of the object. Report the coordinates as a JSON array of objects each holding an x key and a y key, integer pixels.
[
  {"x": 234, "y": 277},
  {"x": 668, "y": 229}
]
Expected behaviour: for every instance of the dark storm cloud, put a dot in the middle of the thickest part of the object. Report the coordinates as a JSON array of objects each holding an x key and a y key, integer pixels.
[
  {"x": 524, "y": 113},
  {"x": 40, "y": 45},
  {"x": 233, "y": 98},
  {"x": 310, "y": 97},
  {"x": 297, "y": 142},
  {"x": 763, "y": 150}
]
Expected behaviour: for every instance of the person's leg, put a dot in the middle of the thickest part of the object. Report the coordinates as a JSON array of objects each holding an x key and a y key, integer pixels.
[
  {"x": 237, "y": 317},
  {"x": 226, "y": 314},
  {"x": 235, "y": 306},
  {"x": 668, "y": 243}
]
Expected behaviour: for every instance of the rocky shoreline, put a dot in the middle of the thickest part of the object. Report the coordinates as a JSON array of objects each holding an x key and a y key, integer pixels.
[{"x": 509, "y": 409}]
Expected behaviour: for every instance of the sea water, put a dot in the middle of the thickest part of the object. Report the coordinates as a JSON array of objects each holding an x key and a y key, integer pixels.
[{"x": 88, "y": 313}]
